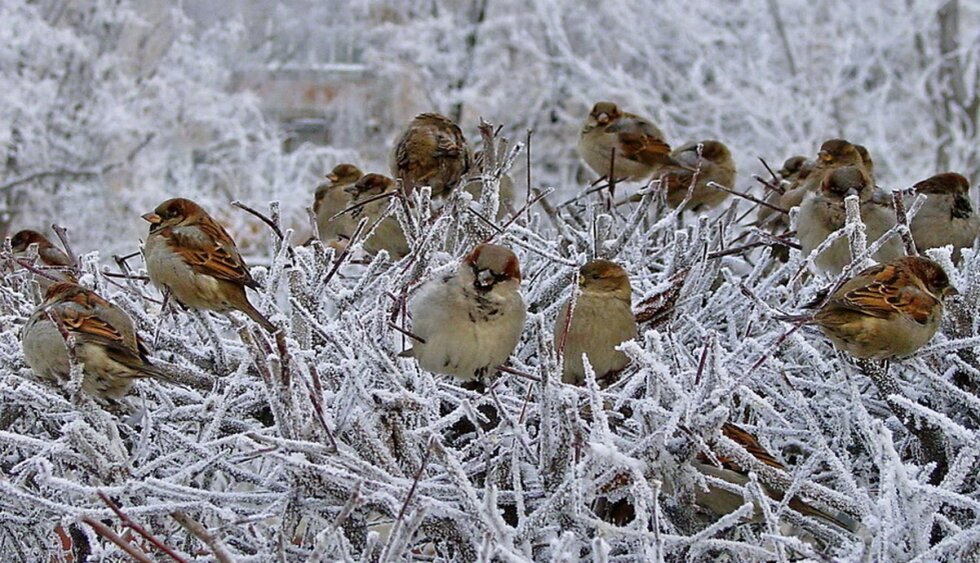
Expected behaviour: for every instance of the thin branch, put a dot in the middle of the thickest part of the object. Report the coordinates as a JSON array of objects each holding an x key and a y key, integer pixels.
[
  {"x": 129, "y": 523},
  {"x": 200, "y": 532},
  {"x": 107, "y": 533}
]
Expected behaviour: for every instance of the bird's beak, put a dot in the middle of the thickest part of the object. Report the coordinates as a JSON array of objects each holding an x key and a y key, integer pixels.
[
  {"x": 332, "y": 177},
  {"x": 484, "y": 279},
  {"x": 602, "y": 118},
  {"x": 152, "y": 218}
]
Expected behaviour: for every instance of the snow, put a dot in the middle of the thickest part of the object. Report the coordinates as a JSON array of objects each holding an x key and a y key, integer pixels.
[{"x": 325, "y": 444}]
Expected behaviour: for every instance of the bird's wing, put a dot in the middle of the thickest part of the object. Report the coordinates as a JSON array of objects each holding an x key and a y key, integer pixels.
[{"x": 214, "y": 254}]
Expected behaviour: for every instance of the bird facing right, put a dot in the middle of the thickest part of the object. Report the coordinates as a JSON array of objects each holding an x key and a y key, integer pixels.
[
  {"x": 602, "y": 319},
  {"x": 470, "y": 321},
  {"x": 947, "y": 216},
  {"x": 331, "y": 198},
  {"x": 105, "y": 342},
  {"x": 888, "y": 310}
]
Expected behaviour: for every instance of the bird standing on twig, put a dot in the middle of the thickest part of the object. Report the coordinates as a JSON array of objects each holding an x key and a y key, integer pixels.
[
  {"x": 640, "y": 148},
  {"x": 431, "y": 152},
  {"x": 191, "y": 256}
]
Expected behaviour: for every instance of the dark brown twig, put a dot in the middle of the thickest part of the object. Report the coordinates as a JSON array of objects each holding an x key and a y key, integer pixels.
[
  {"x": 748, "y": 197},
  {"x": 107, "y": 533},
  {"x": 902, "y": 218},
  {"x": 272, "y": 225},
  {"x": 407, "y": 333},
  {"x": 200, "y": 532},
  {"x": 63, "y": 237},
  {"x": 128, "y": 522}
]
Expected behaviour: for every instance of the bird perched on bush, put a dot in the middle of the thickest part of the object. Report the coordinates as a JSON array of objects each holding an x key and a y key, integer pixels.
[
  {"x": 431, "y": 152},
  {"x": 388, "y": 234},
  {"x": 602, "y": 319},
  {"x": 331, "y": 198},
  {"x": 191, "y": 257},
  {"x": 639, "y": 144},
  {"x": 55, "y": 262},
  {"x": 470, "y": 321},
  {"x": 710, "y": 161},
  {"x": 947, "y": 216},
  {"x": 886, "y": 311},
  {"x": 822, "y": 213},
  {"x": 105, "y": 341}
]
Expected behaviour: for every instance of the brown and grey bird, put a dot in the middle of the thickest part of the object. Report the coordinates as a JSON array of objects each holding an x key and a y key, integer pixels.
[
  {"x": 331, "y": 198},
  {"x": 602, "y": 319},
  {"x": 710, "y": 161},
  {"x": 947, "y": 217},
  {"x": 833, "y": 154},
  {"x": 886, "y": 311},
  {"x": 471, "y": 320},
  {"x": 388, "y": 234},
  {"x": 640, "y": 148},
  {"x": 790, "y": 176},
  {"x": 105, "y": 342},
  {"x": 431, "y": 152},
  {"x": 190, "y": 256},
  {"x": 53, "y": 260},
  {"x": 822, "y": 213}
]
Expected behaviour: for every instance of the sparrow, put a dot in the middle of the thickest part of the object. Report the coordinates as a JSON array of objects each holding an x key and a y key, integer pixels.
[
  {"x": 722, "y": 502},
  {"x": 431, "y": 152},
  {"x": 331, "y": 199},
  {"x": 602, "y": 319},
  {"x": 640, "y": 146},
  {"x": 388, "y": 234},
  {"x": 474, "y": 187},
  {"x": 470, "y": 321},
  {"x": 947, "y": 216},
  {"x": 822, "y": 213},
  {"x": 55, "y": 262},
  {"x": 713, "y": 164},
  {"x": 833, "y": 154},
  {"x": 106, "y": 342},
  {"x": 191, "y": 257},
  {"x": 889, "y": 310}
]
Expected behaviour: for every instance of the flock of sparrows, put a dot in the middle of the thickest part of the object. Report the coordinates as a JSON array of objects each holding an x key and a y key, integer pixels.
[{"x": 468, "y": 322}]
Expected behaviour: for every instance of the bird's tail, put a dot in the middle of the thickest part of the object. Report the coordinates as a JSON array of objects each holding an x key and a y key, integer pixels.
[
  {"x": 258, "y": 317},
  {"x": 839, "y": 519}
]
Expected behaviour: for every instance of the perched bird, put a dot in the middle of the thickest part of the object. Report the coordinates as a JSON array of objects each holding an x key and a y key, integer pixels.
[
  {"x": 431, "y": 152},
  {"x": 866, "y": 161},
  {"x": 947, "y": 216},
  {"x": 794, "y": 169},
  {"x": 602, "y": 319},
  {"x": 105, "y": 342},
  {"x": 388, "y": 234},
  {"x": 640, "y": 146},
  {"x": 823, "y": 212},
  {"x": 190, "y": 256},
  {"x": 331, "y": 198},
  {"x": 55, "y": 262},
  {"x": 470, "y": 321},
  {"x": 888, "y": 310},
  {"x": 474, "y": 187},
  {"x": 834, "y": 154},
  {"x": 713, "y": 164},
  {"x": 721, "y": 501},
  {"x": 791, "y": 168}
]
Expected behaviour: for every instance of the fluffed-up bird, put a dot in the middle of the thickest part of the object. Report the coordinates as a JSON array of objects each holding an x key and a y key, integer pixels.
[
  {"x": 822, "y": 213},
  {"x": 105, "y": 342},
  {"x": 366, "y": 201},
  {"x": 53, "y": 260},
  {"x": 193, "y": 259},
  {"x": 602, "y": 319},
  {"x": 431, "y": 152},
  {"x": 947, "y": 216},
  {"x": 471, "y": 320},
  {"x": 640, "y": 148},
  {"x": 331, "y": 198},
  {"x": 708, "y": 161},
  {"x": 886, "y": 311}
]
